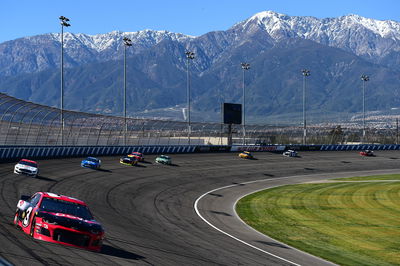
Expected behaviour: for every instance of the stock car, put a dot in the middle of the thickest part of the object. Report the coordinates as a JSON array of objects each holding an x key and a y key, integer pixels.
[
  {"x": 246, "y": 155},
  {"x": 290, "y": 153},
  {"x": 59, "y": 219},
  {"x": 138, "y": 155},
  {"x": 164, "y": 159},
  {"x": 367, "y": 153},
  {"x": 128, "y": 160},
  {"x": 91, "y": 162},
  {"x": 27, "y": 167}
]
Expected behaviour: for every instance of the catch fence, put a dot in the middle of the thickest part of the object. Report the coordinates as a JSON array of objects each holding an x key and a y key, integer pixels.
[{"x": 26, "y": 123}]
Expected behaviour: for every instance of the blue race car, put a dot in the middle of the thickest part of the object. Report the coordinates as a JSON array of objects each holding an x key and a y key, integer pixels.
[{"x": 91, "y": 162}]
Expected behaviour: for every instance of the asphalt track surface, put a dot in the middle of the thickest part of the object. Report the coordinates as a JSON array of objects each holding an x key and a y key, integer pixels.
[{"x": 153, "y": 214}]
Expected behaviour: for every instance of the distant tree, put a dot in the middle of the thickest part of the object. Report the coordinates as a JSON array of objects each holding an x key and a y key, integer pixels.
[{"x": 336, "y": 135}]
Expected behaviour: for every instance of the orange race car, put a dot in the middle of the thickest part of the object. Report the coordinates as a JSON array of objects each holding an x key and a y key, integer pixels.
[{"x": 246, "y": 155}]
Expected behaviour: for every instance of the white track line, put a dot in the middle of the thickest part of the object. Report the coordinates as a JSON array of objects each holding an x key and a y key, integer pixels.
[{"x": 231, "y": 236}]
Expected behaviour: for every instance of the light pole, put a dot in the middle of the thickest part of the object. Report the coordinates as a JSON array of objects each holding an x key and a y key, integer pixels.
[
  {"x": 245, "y": 67},
  {"x": 306, "y": 73},
  {"x": 364, "y": 78},
  {"x": 189, "y": 56},
  {"x": 127, "y": 43},
  {"x": 64, "y": 23}
]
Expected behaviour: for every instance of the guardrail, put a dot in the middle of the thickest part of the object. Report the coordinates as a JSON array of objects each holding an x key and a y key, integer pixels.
[{"x": 12, "y": 153}]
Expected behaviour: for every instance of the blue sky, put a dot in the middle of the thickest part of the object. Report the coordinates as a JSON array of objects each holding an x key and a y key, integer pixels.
[{"x": 27, "y": 17}]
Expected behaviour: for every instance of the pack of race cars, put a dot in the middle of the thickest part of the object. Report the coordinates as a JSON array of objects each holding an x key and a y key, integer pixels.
[
  {"x": 65, "y": 220},
  {"x": 61, "y": 219},
  {"x": 293, "y": 153}
]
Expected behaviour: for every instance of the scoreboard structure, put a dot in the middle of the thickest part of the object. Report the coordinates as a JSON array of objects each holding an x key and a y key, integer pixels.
[{"x": 232, "y": 113}]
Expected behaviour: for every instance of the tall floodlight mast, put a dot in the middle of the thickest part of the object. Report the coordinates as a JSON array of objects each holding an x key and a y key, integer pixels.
[
  {"x": 127, "y": 43},
  {"x": 305, "y": 73},
  {"x": 364, "y": 79},
  {"x": 64, "y": 23},
  {"x": 245, "y": 67},
  {"x": 189, "y": 57}
]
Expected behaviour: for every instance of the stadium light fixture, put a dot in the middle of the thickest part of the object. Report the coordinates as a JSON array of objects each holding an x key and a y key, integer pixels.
[
  {"x": 64, "y": 23},
  {"x": 364, "y": 79},
  {"x": 305, "y": 73},
  {"x": 127, "y": 43},
  {"x": 189, "y": 57},
  {"x": 245, "y": 67}
]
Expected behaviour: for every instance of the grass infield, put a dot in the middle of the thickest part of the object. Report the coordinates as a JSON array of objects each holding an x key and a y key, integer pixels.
[{"x": 348, "y": 223}]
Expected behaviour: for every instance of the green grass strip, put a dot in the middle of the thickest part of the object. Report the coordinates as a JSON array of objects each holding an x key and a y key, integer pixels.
[
  {"x": 373, "y": 177},
  {"x": 346, "y": 223}
]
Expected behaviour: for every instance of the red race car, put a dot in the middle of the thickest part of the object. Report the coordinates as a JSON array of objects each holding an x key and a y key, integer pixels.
[
  {"x": 367, "y": 153},
  {"x": 59, "y": 219},
  {"x": 138, "y": 155}
]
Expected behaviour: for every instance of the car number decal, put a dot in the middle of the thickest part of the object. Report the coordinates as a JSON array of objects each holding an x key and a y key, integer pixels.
[{"x": 25, "y": 221}]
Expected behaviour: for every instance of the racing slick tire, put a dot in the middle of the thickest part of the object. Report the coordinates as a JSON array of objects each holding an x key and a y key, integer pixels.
[
  {"x": 33, "y": 224},
  {"x": 16, "y": 217}
]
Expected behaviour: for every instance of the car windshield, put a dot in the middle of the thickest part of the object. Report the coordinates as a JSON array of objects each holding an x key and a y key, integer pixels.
[
  {"x": 28, "y": 163},
  {"x": 92, "y": 159},
  {"x": 66, "y": 207},
  {"x": 164, "y": 157}
]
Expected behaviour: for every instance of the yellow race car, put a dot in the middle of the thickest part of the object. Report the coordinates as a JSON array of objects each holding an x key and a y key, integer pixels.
[
  {"x": 246, "y": 155},
  {"x": 128, "y": 160}
]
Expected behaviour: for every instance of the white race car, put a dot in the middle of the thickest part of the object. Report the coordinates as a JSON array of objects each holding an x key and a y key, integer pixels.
[
  {"x": 290, "y": 153},
  {"x": 27, "y": 167}
]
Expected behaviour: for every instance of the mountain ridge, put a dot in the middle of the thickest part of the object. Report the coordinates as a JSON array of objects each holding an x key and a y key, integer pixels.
[{"x": 339, "y": 50}]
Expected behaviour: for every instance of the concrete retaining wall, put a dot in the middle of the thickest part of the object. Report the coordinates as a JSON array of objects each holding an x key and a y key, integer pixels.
[{"x": 13, "y": 153}]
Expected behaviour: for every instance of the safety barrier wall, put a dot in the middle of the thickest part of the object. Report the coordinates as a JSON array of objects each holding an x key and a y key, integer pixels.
[
  {"x": 359, "y": 147},
  {"x": 279, "y": 148},
  {"x": 12, "y": 153}
]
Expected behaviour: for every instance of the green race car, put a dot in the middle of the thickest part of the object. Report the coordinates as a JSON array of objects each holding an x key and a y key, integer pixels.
[{"x": 164, "y": 159}]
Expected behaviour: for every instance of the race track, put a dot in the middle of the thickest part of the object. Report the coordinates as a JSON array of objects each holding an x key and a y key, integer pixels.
[{"x": 148, "y": 211}]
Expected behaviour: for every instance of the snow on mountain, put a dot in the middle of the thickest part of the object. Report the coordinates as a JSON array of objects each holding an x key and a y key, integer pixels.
[
  {"x": 362, "y": 36},
  {"x": 377, "y": 41},
  {"x": 101, "y": 42}
]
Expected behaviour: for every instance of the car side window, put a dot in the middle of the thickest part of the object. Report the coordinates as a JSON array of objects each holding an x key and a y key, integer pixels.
[{"x": 35, "y": 199}]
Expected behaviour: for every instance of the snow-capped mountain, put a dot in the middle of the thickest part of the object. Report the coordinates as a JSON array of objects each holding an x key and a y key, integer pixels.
[
  {"x": 359, "y": 35},
  {"x": 37, "y": 53},
  {"x": 378, "y": 41},
  {"x": 337, "y": 51},
  {"x": 113, "y": 40}
]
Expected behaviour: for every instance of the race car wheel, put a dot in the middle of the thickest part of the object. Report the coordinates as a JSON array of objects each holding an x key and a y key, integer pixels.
[
  {"x": 33, "y": 224},
  {"x": 16, "y": 216}
]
